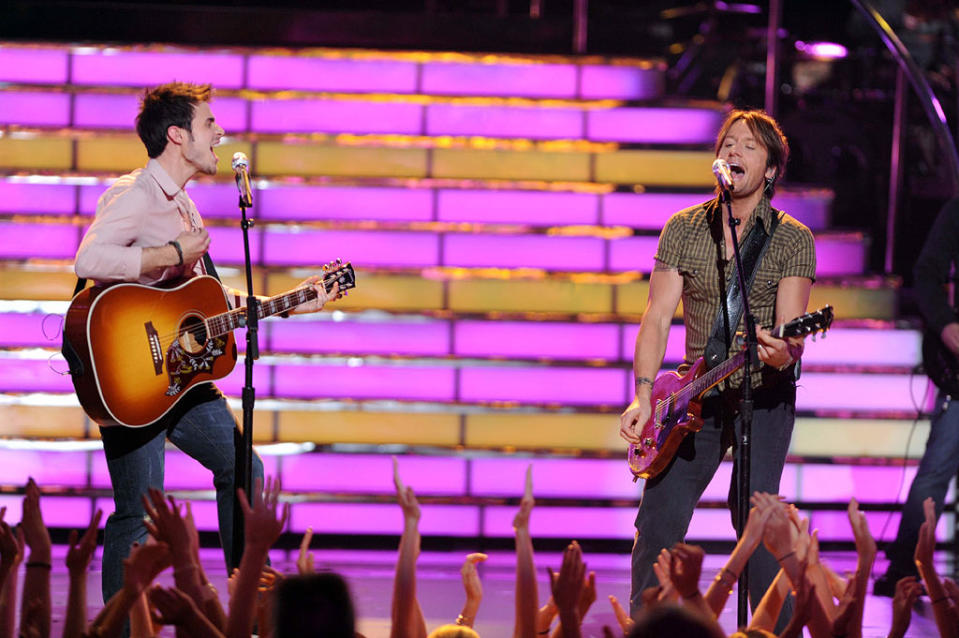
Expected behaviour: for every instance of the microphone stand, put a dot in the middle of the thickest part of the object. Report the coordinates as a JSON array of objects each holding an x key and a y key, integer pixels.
[
  {"x": 744, "y": 433},
  {"x": 243, "y": 445}
]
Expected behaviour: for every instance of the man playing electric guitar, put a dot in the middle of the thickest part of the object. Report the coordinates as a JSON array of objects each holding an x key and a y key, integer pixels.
[
  {"x": 147, "y": 230},
  {"x": 695, "y": 264},
  {"x": 932, "y": 276}
]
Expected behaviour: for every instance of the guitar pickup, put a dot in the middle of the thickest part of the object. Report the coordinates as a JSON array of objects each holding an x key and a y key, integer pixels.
[{"x": 155, "y": 351}]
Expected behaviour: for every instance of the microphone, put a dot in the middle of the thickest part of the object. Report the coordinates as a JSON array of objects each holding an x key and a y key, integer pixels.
[
  {"x": 241, "y": 170},
  {"x": 720, "y": 170}
]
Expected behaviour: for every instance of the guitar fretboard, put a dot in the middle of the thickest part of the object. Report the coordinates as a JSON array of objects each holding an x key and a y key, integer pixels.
[{"x": 229, "y": 321}]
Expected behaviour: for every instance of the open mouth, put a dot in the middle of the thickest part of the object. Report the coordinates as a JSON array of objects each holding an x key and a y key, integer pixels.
[{"x": 736, "y": 169}]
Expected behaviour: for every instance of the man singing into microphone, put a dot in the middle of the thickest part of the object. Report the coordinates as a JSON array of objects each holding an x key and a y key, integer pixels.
[
  {"x": 147, "y": 230},
  {"x": 695, "y": 263}
]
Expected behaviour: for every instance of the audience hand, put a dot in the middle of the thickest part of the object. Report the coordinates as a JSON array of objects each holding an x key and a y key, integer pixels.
[
  {"x": 143, "y": 564},
  {"x": 35, "y": 533},
  {"x": 521, "y": 520},
  {"x": 79, "y": 554},
  {"x": 908, "y": 591},
  {"x": 471, "y": 580},
  {"x": 625, "y": 622},
  {"x": 11, "y": 543},
  {"x": 405, "y": 497},
  {"x": 261, "y": 524},
  {"x": 172, "y": 605},
  {"x": 567, "y": 586},
  {"x": 661, "y": 569},
  {"x": 927, "y": 536},
  {"x": 167, "y": 525},
  {"x": 685, "y": 567},
  {"x": 304, "y": 561}
]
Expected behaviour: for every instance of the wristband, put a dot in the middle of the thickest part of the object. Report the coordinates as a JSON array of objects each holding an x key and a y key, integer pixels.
[
  {"x": 785, "y": 556},
  {"x": 692, "y": 595},
  {"x": 786, "y": 365},
  {"x": 939, "y": 600},
  {"x": 179, "y": 250},
  {"x": 40, "y": 564}
]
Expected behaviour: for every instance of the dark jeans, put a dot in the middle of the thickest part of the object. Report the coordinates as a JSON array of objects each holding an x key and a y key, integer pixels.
[
  {"x": 205, "y": 432},
  {"x": 670, "y": 498},
  {"x": 938, "y": 466}
]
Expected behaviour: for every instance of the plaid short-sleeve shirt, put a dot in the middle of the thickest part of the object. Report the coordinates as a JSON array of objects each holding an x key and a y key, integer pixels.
[{"x": 692, "y": 242}]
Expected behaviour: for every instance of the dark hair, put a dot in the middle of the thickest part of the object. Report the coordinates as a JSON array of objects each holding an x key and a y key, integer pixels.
[
  {"x": 313, "y": 606},
  {"x": 168, "y": 105},
  {"x": 768, "y": 133},
  {"x": 668, "y": 619}
]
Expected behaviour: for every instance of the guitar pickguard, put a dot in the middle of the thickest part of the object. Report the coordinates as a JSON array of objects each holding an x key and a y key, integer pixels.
[{"x": 183, "y": 365}]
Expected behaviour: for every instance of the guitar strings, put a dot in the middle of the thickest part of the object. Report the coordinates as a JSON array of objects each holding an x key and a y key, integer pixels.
[{"x": 199, "y": 329}]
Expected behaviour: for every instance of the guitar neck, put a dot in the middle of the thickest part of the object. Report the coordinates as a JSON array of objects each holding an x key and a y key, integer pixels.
[
  {"x": 221, "y": 324},
  {"x": 717, "y": 374}
]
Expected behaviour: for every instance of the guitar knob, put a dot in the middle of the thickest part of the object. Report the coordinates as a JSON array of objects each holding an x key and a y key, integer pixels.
[{"x": 648, "y": 442}]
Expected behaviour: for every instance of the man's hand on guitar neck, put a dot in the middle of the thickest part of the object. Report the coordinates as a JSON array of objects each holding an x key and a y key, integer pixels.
[
  {"x": 950, "y": 337},
  {"x": 322, "y": 296},
  {"x": 777, "y": 353},
  {"x": 636, "y": 415}
]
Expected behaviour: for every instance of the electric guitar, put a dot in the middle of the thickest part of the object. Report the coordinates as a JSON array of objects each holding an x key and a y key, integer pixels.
[
  {"x": 135, "y": 350},
  {"x": 940, "y": 364},
  {"x": 676, "y": 400}
]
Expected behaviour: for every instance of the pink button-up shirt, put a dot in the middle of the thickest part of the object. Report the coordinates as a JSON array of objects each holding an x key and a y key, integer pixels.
[{"x": 142, "y": 209}]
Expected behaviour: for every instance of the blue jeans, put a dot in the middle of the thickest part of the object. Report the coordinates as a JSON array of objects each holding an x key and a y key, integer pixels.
[
  {"x": 205, "y": 432},
  {"x": 938, "y": 466},
  {"x": 670, "y": 498}
]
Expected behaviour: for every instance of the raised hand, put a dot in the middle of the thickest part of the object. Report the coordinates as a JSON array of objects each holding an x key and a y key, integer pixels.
[
  {"x": 908, "y": 591},
  {"x": 11, "y": 549},
  {"x": 521, "y": 520},
  {"x": 588, "y": 596},
  {"x": 143, "y": 564},
  {"x": 685, "y": 567},
  {"x": 625, "y": 622},
  {"x": 304, "y": 560},
  {"x": 80, "y": 553},
  {"x": 173, "y": 606},
  {"x": 471, "y": 579},
  {"x": 261, "y": 524},
  {"x": 568, "y": 584},
  {"x": 35, "y": 533},
  {"x": 865, "y": 543},
  {"x": 661, "y": 570},
  {"x": 406, "y": 497},
  {"x": 927, "y": 536},
  {"x": 167, "y": 525}
]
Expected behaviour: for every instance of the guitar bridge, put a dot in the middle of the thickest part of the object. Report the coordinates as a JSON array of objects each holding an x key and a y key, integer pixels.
[{"x": 154, "y": 340}]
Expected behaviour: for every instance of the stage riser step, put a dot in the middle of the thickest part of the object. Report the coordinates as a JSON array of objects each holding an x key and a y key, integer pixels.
[
  {"x": 467, "y": 292},
  {"x": 282, "y": 246},
  {"x": 585, "y": 387},
  {"x": 387, "y": 115},
  {"x": 276, "y": 201},
  {"x": 558, "y": 341},
  {"x": 353, "y": 493},
  {"x": 120, "y": 153},
  {"x": 332, "y": 70}
]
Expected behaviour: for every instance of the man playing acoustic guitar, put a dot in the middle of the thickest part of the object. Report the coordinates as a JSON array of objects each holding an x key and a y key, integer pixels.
[
  {"x": 695, "y": 264},
  {"x": 147, "y": 230}
]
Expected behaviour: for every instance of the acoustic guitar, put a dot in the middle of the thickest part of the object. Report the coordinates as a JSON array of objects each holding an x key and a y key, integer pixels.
[{"x": 135, "y": 350}]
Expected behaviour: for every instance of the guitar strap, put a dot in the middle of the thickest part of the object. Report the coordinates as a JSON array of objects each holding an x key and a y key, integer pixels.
[
  {"x": 73, "y": 360},
  {"x": 731, "y": 311}
]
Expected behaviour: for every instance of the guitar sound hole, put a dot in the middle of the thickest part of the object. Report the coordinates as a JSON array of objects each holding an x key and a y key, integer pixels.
[{"x": 193, "y": 334}]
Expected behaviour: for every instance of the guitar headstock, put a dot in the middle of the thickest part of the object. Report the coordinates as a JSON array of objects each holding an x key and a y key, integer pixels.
[
  {"x": 809, "y": 323},
  {"x": 336, "y": 272}
]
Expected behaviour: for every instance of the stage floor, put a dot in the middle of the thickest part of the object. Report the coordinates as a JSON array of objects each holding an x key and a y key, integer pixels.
[{"x": 370, "y": 574}]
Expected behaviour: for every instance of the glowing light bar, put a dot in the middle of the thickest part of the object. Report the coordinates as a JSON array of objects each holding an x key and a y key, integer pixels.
[
  {"x": 654, "y": 125},
  {"x": 504, "y": 121},
  {"x": 822, "y": 50},
  {"x": 35, "y": 109},
  {"x": 527, "y": 80},
  {"x": 33, "y": 65},
  {"x": 146, "y": 68},
  {"x": 318, "y": 74},
  {"x": 337, "y": 116},
  {"x": 542, "y": 208}
]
